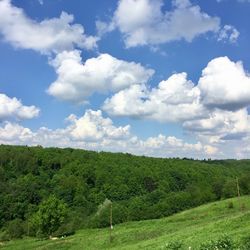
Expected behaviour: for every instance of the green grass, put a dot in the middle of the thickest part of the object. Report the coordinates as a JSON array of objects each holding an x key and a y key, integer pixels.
[{"x": 192, "y": 227}]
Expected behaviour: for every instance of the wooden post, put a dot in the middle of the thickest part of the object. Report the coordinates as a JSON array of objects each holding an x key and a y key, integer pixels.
[
  {"x": 238, "y": 190},
  {"x": 111, "y": 226},
  {"x": 238, "y": 187}
]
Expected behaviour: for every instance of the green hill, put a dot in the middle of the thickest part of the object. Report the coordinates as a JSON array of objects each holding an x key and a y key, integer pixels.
[
  {"x": 191, "y": 227},
  {"x": 52, "y": 191}
]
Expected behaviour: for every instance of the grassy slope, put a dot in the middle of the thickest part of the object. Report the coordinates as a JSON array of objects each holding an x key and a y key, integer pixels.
[{"x": 193, "y": 227}]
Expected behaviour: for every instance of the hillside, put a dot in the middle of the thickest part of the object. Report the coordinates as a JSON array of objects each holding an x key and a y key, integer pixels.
[
  {"x": 192, "y": 227},
  {"x": 52, "y": 191}
]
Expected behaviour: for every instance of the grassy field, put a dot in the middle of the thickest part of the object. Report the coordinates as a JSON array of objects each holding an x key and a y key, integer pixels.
[{"x": 192, "y": 227}]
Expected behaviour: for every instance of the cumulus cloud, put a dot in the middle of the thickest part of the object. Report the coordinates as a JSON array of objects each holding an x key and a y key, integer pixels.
[
  {"x": 95, "y": 132},
  {"x": 227, "y": 131},
  {"x": 77, "y": 81},
  {"x": 49, "y": 35},
  {"x": 176, "y": 99},
  {"x": 13, "y": 132},
  {"x": 12, "y": 108},
  {"x": 214, "y": 110},
  {"x": 93, "y": 126},
  {"x": 225, "y": 84},
  {"x": 226, "y": 125},
  {"x": 143, "y": 22}
]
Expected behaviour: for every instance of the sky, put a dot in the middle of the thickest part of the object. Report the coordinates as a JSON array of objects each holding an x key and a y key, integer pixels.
[{"x": 164, "y": 78}]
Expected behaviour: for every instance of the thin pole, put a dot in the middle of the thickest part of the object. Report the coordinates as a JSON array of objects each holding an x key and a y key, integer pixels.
[
  {"x": 238, "y": 190},
  {"x": 111, "y": 226}
]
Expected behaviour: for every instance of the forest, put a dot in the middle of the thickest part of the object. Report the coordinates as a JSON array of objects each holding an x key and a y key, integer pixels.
[{"x": 52, "y": 191}]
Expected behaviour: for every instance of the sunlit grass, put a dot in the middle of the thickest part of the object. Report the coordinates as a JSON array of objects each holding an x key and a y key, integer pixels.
[{"x": 192, "y": 227}]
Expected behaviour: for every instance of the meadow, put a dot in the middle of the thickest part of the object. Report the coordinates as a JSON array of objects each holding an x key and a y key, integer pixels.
[{"x": 191, "y": 228}]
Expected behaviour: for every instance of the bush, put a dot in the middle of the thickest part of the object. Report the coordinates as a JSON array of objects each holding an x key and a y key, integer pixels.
[
  {"x": 174, "y": 245},
  {"x": 243, "y": 206},
  {"x": 229, "y": 189},
  {"x": 230, "y": 205},
  {"x": 64, "y": 230},
  {"x": 224, "y": 242},
  {"x": 4, "y": 236},
  {"x": 15, "y": 229}
]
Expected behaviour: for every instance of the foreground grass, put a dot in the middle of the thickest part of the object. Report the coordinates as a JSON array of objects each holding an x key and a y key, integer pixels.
[{"x": 192, "y": 227}]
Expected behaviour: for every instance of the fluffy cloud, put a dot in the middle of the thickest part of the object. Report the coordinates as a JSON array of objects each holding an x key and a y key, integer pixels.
[
  {"x": 49, "y": 35},
  {"x": 221, "y": 125},
  {"x": 95, "y": 132},
  {"x": 92, "y": 127},
  {"x": 175, "y": 99},
  {"x": 76, "y": 81},
  {"x": 227, "y": 133},
  {"x": 225, "y": 84},
  {"x": 214, "y": 110},
  {"x": 143, "y": 22},
  {"x": 12, "y": 132},
  {"x": 12, "y": 108}
]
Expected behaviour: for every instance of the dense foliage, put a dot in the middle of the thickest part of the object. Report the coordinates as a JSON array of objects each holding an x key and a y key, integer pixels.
[{"x": 36, "y": 180}]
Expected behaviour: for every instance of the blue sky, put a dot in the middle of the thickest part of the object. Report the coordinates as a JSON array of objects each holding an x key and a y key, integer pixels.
[{"x": 151, "y": 77}]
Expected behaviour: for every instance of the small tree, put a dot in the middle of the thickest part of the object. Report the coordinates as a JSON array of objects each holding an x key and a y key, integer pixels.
[{"x": 50, "y": 216}]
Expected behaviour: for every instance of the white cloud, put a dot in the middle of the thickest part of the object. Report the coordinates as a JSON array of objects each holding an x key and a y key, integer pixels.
[
  {"x": 12, "y": 108},
  {"x": 95, "y": 132},
  {"x": 12, "y": 132},
  {"x": 143, "y": 22},
  {"x": 92, "y": 127},
  {"x": 225, "y": 84},
  {"x": 77, "y": 81},
  {"x": 225, "y": 125},
  {"x": 226, "y": 131},
  {"x": 228, "y": 33},
  {"x": 214, "y": 110},
  {"x": 175, "y": 99},
  {"x": 49, "y": 35}
]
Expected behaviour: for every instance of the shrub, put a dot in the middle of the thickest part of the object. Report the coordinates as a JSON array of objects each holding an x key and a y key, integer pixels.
[
  {"x": 224, "y": 242},
  {"x": 64, "y": 230},
  {"x": 230, "y": 205},
  {"x": 15, "y": 229},
  {"x": 243, "y": 206},
  {"x": 174, "y": 245},
  {"x": 4, "y": 236}
]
